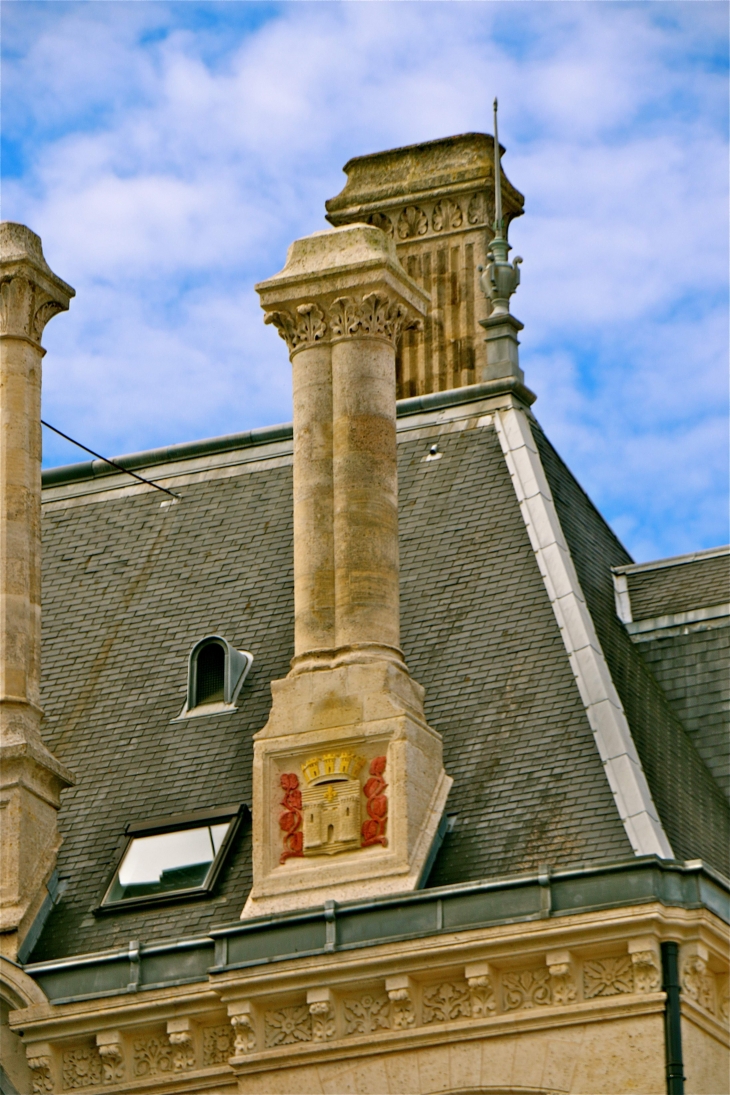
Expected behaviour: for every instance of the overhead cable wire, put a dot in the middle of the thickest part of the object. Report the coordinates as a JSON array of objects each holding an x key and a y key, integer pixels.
[{"x": 106, "y": 460}]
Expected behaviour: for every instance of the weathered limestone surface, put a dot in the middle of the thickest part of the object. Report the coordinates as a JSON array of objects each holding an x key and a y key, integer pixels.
[
  {"x": 349, "y": 785},
  {"x": 436, "y": 202},
  {"x": 31, "y": 778}
]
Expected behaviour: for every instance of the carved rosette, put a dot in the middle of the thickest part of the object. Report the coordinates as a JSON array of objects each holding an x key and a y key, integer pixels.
[
  {"x": 288, "y": 1026},
  {"x": 368, "y": 1014},
  {"x": 608, "y": 977},
  {"x": 81, "y": 1068},
  {"x": 218, "y": 1045}
]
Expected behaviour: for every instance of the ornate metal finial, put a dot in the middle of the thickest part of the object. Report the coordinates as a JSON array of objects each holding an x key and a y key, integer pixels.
[
  {"x": 498, "y": 219},
  {"x": 500, "y": 278}
]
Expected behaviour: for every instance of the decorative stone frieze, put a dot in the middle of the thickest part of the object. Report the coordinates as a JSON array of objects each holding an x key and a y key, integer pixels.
[
  {"x": 81, "y": 1067},
  {"x": 367, "y": 1014},
  {"x": 607, "y": 976},
  {"x": 110, "y": 1048},
  {"x": 525, "y": 989},
  {"x": 41, "y": 1065},
  {"x": 218, "y": 1045},
  {"x": 401, "y": 993},
  {"x": 288, "y": 1025},
  {"x": 321, "y": 1005},
  {"x": 446, "y": 1002},
  {"x": 152, "y": 1057}
]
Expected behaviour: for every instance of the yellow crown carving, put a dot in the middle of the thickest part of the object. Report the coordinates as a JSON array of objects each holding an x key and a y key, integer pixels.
[{"x": 332, "y": 764}]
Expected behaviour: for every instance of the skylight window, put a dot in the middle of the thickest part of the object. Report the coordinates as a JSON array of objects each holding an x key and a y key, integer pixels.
[{"x": 178, "y": 857}]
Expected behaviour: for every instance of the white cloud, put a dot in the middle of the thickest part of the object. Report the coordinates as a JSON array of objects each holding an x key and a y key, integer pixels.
[{"x": 168, "y": 164}]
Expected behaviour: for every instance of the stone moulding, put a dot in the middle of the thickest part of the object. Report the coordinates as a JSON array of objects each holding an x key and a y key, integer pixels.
[{"x": 331, "y": 1011}]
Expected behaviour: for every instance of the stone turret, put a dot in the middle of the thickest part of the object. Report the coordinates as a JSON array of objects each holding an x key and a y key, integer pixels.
[
  {"x": 436, "y": 202},
  {"x": 349, "y": 786},
  {"x": 31, "y": 778}
]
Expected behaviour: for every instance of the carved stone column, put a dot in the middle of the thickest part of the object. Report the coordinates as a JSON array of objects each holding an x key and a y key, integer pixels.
[
  {"x": 31, "y": 778},
  {"x": 349, "y": 784}
]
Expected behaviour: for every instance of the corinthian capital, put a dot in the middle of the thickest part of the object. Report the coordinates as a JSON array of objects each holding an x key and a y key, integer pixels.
[
  {"x": 30, "y": 293},
  {"x": 343, "y": 283}
]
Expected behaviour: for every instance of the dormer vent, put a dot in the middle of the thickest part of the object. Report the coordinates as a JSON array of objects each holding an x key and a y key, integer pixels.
[{"x": 216, "y": 672}]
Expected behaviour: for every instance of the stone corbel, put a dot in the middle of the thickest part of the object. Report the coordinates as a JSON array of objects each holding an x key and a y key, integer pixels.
[
  {"x": 560, "y": 966},
  {"x": 321, "y": 1005},
  {"x": 243, "y": 1021},
  {"x": 401, "y": 993},
  {"x": 180, "y": 1037},
  {"x": 698, "y": 983},
  {"x": 40, "y": 1061},
  {"x": 646, "y": 960},
  {"x": 482, "y": 989},
  {"x": 110, "y": 1048}
]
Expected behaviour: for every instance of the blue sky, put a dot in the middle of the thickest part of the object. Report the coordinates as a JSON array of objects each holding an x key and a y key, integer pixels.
[{"x": 168, "y": 153}]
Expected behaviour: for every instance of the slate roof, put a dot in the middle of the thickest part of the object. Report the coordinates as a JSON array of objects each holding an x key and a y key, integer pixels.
[
  {"x": 671, "y": 586},
  {"x": 130, "y": 585}
]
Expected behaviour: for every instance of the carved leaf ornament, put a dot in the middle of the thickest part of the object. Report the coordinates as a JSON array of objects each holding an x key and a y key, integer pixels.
[{"x": 412, "y": 222}]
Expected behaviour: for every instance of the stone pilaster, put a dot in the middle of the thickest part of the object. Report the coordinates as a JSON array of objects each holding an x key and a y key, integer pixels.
[
  {"x": 31, "y": 779},
  {"x": 348, "y": 778}
]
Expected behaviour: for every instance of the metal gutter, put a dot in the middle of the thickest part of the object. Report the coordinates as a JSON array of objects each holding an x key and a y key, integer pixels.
[
  {"x": 356, "y": 924},
  {"x": 265, "y": 435}
]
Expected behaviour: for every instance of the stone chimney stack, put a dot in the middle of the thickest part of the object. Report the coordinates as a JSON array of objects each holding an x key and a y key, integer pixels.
[
  {"x": 349, "y": 786},
  {"x": 436, "y": 201},
  {"x": 31, "y": 779}
]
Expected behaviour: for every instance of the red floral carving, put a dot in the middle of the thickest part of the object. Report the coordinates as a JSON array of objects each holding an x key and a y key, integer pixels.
[
  {"x": 291, "y": 820},
  {"x": 373, "y": 830}
]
